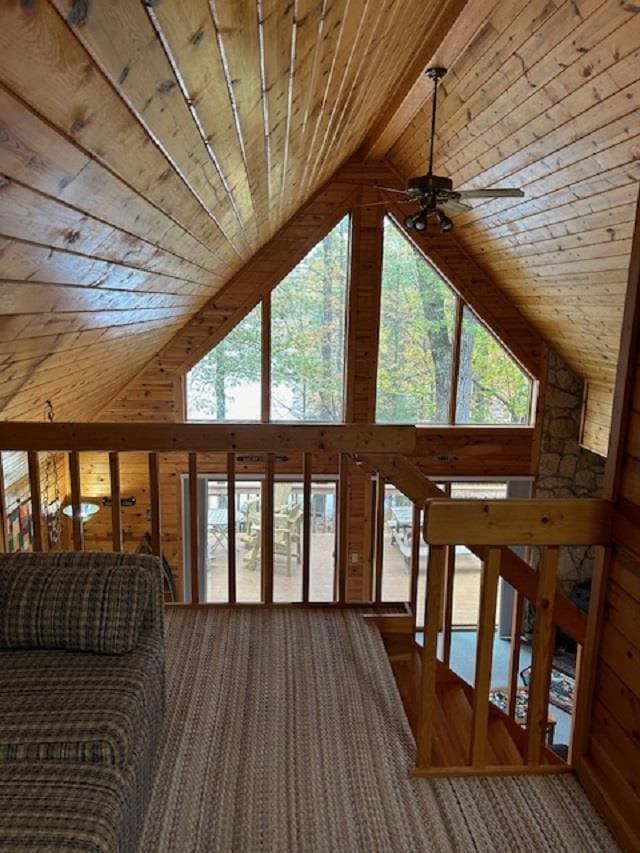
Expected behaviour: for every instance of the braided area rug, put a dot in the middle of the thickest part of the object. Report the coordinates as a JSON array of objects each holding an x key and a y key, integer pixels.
[{"x": 285, "y": 732}]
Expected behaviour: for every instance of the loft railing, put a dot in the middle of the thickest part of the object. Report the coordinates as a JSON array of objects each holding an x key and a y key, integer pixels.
[
  {"x": 195, "y": 440},
  {"x": 487, "y": 528}
]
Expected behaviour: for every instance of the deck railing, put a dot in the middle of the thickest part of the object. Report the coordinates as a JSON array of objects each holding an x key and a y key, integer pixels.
[
  {"x": 195, "y": 440},
  {"x": 487, "y": 528}
]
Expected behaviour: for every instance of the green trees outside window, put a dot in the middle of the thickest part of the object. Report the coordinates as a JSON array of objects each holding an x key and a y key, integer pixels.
[
  {"x": 491, "y": 387},
  {"x": 308, "y": 312},
  {"x": 225, "y": 384},
  {"x": 416, "y": 331},
  {"x": 417, "y": 336},
  {"x": 421, "y": 329}
]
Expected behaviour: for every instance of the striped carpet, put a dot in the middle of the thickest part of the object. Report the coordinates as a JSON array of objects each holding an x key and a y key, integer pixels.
[{"x": 285, "y": 732}]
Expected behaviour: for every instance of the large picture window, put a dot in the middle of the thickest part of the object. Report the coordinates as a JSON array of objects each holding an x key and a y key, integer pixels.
[{"x": 437, "y": 362}]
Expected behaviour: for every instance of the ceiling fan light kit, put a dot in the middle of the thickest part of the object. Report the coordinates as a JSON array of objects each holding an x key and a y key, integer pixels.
[{"x": 435, "y": 193}]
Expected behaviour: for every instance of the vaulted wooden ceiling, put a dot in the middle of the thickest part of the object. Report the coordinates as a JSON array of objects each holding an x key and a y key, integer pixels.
[
  {"x": 546, "y": 98},
  {"x": 149, "y": 149}
]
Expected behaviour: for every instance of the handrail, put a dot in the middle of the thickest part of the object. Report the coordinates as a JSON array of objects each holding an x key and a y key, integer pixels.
[
  {"x": 207, "y": 438},
  {"x": 545, "y": 523},
  {"x": 520, "y": 521},
  {"x": 409, "y": 479}
]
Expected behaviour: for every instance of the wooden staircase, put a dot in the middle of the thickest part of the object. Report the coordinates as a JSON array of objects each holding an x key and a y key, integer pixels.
[
  {"x": 458, "y": 730},
  {"x": 506, "y": 745}
]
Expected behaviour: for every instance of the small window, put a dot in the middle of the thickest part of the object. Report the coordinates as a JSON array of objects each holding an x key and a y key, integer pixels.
[
  {"x": 225, "y": 384},
  {"x": 492, "y": 389}
]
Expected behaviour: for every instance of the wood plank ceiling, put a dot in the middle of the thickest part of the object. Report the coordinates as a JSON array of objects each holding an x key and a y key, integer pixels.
[
  {"x": 149, "y": 149},
  {"x": 546, "y": 98}
]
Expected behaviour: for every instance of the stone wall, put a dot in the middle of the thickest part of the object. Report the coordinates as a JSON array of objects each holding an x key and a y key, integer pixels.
[{"x": 567, "y": 470}]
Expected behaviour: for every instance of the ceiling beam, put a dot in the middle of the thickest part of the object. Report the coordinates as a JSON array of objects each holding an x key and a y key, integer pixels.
[{"x": 455, "y": 28}]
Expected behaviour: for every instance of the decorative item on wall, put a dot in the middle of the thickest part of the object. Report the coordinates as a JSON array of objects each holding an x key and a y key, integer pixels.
[{"x": 20, "y": 528}]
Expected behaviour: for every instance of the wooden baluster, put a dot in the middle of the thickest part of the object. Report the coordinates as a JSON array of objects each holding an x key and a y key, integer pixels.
[
  {"x": 514, "y": 652},
  {"x": 74, "y": 481},
  {"x": 267, "y": 533},
  {"x": 193, "y": 528},
  {"x": 33, "y": 464},
  {"x": 416, "y": 534},
  {"x": 379, "y": 538},
  {"x": 484, "y": 655},
  {"x": 542, "y": 656},
  {"x": 306, "y": 525},
  {"x": 343, "y": 508},
  {"x": 3, "y": 509},
  {"x": 154, "y": 501},
  {"x": 427, "y": 694},
  {"x": 116, "y": 496},
  {"x": 232, "y": 591},
  {"x": 587, "y": 662},
  {"x": 447, "y": 618}
]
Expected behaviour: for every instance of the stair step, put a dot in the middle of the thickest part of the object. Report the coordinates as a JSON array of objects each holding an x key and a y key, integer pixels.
[{"x": 502, "y": 743}]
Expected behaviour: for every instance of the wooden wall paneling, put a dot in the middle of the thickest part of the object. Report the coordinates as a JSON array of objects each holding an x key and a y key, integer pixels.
[
  {"x": 606, "y": 739},
  {"x": 76, "y": 493}
]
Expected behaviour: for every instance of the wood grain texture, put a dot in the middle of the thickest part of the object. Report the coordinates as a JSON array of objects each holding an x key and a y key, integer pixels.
[
  {"x": 149, "y": 150},
  {"x": 609, "y": 746},
  {"x": 546, "y": 98}
]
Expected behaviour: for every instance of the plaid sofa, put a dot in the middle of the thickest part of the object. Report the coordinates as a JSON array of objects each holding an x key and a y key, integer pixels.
[{"x": 81, "y": 699}]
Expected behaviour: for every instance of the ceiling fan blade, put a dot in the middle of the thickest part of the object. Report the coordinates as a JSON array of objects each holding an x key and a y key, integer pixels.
[
  {"x": 507, "y": 192},
  {"x": 391, "y": 190},
  {"x": 454, "y": 206},
  {"x": 377, "y": 203}
]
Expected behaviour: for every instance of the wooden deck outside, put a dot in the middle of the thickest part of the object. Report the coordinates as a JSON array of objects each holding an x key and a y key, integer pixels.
[{"x": 288, "y": 587}]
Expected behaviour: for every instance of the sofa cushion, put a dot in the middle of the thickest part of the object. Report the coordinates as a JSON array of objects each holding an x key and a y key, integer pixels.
[
  {"x": 97, "y": 709},
  {"x": 68, "y": 808},
  {"x": 78, "y": 602}
]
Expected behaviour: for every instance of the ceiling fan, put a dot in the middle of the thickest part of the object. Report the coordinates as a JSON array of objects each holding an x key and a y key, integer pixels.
[{"x": 435, "y": 193}]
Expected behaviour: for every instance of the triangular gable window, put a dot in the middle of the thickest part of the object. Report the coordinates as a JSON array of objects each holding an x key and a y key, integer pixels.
[
  {"x": 307, "y": 347},
  {"x": 423, "y": 326}
]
